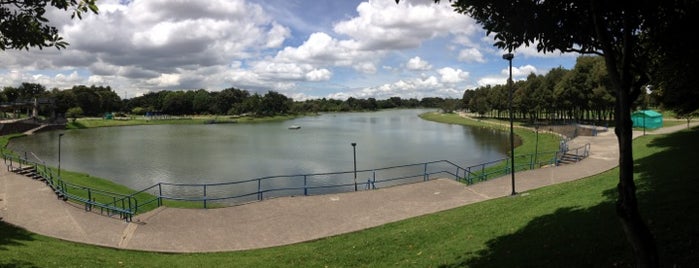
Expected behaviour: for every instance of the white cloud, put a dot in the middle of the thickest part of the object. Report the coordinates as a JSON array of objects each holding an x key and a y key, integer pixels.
[
  {"x": 165, "y": 80},
  {"x": 417, "y": 64},
  {"x": 429, "y": 86},
  {"x": 322, "y": 49},
  {"x": 522, "y": 71},
  {"x": 149, "y": 45},
  {"x": 491, "y": 81},
  {"x": 366, "y": 67},
  {"x": 318, "y": 75},
  {"x": 471, "y": 55},
  {"x": 156, "y": 40},
  {"x": 387, "y": 25},
  {"x": 277, "y": 35},
  {"x": 452, "y": 76}
]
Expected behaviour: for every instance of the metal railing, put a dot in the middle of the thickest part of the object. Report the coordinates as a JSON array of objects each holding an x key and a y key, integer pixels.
[
  {"x": 236, "y": 192},
  {"x": 107, "y": 202}
]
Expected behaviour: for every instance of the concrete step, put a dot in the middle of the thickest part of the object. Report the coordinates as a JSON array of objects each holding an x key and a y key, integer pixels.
[
  {"x": 569, "y": 158},
  {"x": 24, "y": 170}
]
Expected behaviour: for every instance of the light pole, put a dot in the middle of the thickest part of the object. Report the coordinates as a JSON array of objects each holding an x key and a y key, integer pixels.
[
  {"x": 354, "y": 150},
  {"x": 536, "y": 148},
  {"x": 509, "y": 56},
  {"x": 59, "y": 154}
]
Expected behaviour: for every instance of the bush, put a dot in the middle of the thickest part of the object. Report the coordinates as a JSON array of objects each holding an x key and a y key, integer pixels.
[{"x": 74, "y": 113}]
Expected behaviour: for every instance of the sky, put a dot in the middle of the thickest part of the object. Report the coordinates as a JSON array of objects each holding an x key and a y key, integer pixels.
[{"x": 304, "y": 49}]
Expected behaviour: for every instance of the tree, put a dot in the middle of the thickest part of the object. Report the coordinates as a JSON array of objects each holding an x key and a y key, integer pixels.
[
  {"x": 87, "y": 99},
  {"x": 676, "y": 60},
  {"x": 177, "y": 103},
  {"x": 11, "y": 93},
  {"x": 74, "y": 113},
  {"x": 109, "y": 100},
  {"x": 23, "y": 24},
  {"x": 629, "y": 34},
  {"x": 479, "y": 102},
  {"x": 201, "y": 101},
  {"x": 64, "y": 100},
  {"x": 138, "y": 111},
  {"x": 466, "y": 99},
  {"x": 449, "y": 105},
  {"x": 274, "y": 103},
  {"x": 29, "y": 91}
]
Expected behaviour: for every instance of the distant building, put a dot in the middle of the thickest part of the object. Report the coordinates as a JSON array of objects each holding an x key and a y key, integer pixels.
[{"x": 647, "y": 119}]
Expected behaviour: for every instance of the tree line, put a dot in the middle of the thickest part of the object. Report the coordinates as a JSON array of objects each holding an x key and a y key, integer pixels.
[
  {"x": 581, "y": 94},
  {"x": 99, "y": 100}
]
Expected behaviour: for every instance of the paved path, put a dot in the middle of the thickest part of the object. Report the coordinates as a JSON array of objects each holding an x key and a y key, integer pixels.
[{"x": 32, "y": 205}]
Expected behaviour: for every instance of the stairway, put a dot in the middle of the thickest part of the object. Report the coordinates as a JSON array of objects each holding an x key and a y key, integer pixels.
[
  {"x": 31, "y": 172},
  {"x": 569, "y": 158}
]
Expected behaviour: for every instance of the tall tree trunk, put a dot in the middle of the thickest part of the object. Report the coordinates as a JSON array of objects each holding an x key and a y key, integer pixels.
[
  {"x": 637, "y": 233},
  {"x": 618, "y": 64}
]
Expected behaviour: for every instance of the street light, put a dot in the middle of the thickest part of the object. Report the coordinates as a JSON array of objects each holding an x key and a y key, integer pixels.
[
  {"x": 509, "y": 56},
  {"x": 59, "y": 154},
  {"x": 354, "y": 150},
  {"x": 536, "y": 148}
]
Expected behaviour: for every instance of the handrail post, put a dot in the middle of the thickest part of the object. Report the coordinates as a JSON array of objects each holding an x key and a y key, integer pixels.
[
  {"x": 133, "y": 209},
  {"x": 305, "y": 185},
  {"x": 88, "y": 204},
  {"x": 205, "y": 197},
  {"x": 424, "y": 176},
  {"x": 373, "y": 181},
  {"x": 160, "y": 194}
]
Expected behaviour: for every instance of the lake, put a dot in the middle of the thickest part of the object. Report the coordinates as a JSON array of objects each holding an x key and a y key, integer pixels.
[{"x": 140, "y": 156}]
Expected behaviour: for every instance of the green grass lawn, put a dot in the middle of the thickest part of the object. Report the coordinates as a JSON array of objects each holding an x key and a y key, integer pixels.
[
  {"x": 545, "y": 149},
  {"x": 567, "y": 225},
  {"x": 547, "y": 142}
]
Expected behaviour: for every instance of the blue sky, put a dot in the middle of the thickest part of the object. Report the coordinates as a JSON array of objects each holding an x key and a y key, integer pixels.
[{"x": 303, "y": 49}]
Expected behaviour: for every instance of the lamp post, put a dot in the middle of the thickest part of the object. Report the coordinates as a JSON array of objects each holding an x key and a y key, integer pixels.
[
  {"x": 509, "y": 56},
  {"x": 59, "y": 154},
  {"x": 354, "y": 151},
  {"x": 536, "y": 148}
]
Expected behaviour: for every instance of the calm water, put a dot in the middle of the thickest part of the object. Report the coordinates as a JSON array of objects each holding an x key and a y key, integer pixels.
[{"x": 140, "y": 156}]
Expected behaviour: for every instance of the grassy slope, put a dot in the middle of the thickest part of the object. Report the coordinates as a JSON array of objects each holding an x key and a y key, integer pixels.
[
  {"x": 547, "y": 142},
  {"x": 567, "y": 225},
  {"x": 98, "y": 122}
]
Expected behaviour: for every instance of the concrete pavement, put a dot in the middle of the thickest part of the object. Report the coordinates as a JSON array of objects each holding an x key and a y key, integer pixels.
[{"x": 32, "y": 205}]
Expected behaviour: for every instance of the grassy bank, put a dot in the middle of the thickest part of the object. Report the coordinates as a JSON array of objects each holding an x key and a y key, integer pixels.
[
  {"x": 567, "y": 225},
  {"x": 528, "y": 146},
  {"x": 83, "y": 123},
  {"x": 547, "y": 142}
]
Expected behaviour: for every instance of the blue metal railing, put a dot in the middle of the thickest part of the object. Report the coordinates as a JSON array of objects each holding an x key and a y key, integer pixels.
[
  {"x": 227, "y": 193},
  {"x": 108, "y": 202}
]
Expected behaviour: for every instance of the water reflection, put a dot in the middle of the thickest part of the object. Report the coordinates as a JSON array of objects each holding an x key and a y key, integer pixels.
[{"x": 139, "y": 156}]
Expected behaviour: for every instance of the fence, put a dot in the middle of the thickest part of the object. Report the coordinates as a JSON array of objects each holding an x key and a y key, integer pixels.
[
  {"x": 228, "y": 193},
  {"x": 107, "y": 202}
]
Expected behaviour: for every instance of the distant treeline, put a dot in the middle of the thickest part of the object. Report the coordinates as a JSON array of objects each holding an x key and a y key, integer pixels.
[
  {"x": 580, "y": 94},
  {"x": 98, "y": 100}
]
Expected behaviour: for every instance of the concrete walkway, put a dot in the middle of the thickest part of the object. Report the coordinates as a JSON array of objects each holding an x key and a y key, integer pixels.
[{"x": 32, "y": 205}]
